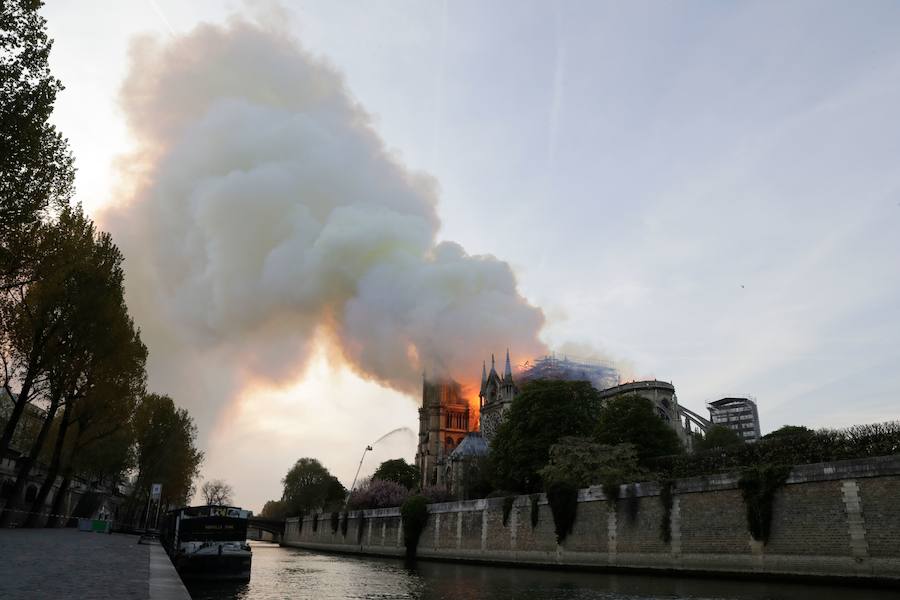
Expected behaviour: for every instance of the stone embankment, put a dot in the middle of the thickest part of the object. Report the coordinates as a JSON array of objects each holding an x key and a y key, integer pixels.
[{"x": 830, "y": 520}]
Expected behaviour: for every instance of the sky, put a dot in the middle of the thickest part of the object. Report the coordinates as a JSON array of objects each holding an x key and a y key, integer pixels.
[{"x": 705, "y": 193}]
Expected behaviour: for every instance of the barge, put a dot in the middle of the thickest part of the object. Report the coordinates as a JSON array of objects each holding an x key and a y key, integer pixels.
[{"x": 208, "y": 542}]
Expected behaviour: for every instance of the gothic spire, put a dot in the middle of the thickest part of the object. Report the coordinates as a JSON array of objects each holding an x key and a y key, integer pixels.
[
  {"x": 492, "y": 361},
  {"x": 483, "y": 374},
  {"x": 507, "y": 374}
]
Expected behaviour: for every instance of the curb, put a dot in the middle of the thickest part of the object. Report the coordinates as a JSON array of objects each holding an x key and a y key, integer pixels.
[{"x": 165, "y": 584}]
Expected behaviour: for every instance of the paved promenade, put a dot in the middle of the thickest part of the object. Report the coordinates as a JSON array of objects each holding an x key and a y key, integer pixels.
[{"x": 65, "y": 563}]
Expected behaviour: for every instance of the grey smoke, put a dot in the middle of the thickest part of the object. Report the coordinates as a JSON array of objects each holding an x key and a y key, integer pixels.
[{"x": 265, "y": 212}]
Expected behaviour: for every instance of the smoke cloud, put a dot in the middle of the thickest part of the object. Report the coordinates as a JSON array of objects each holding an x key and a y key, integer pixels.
[{"x": 264, "y": 213}]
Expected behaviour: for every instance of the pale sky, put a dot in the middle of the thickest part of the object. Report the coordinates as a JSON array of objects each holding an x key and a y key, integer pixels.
[{"x": 708, "y": 192}]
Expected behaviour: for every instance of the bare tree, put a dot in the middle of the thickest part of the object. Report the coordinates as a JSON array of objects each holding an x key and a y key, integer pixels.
[{"x": 216, "y": 492}]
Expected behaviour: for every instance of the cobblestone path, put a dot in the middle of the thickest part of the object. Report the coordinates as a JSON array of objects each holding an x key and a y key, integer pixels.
[{"x": 60, "y": 564}]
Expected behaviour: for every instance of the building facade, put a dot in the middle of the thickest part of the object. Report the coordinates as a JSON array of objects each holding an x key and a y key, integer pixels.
[
  {"x": 443, "y": 423},
  {"x": 737, "y": 414},
  {"x": 495, "y": 397}
]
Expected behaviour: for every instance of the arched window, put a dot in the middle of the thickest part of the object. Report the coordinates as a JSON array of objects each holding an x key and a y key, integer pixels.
[
  {"x": 449, "y": 443},
  {"x": 31, "y": 493}
]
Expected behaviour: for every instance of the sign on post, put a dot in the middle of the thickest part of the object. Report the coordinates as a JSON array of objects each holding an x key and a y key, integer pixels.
[{"x": 155, "y": 491}]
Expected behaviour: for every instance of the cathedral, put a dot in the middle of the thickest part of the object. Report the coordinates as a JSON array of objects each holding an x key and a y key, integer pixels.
[
  {"x": 445, "y": 423},
  {"x": 495, "y": 397}
]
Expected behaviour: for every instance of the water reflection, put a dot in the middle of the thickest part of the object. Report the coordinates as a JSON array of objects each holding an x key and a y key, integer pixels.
[{"x": 297, "y": 574}]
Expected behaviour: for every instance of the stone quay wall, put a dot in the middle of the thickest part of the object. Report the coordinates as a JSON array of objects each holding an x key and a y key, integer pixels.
[{"x": 831, "y": 520}]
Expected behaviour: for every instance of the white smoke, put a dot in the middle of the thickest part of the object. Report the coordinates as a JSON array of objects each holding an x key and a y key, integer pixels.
[{"x": 265, "y": 211}]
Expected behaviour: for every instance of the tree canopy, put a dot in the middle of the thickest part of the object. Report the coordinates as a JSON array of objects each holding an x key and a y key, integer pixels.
[
  {"x": 308, "y": 485},
  {"x": 633, "y": 420},
  {"x": 216, "y": 492},
  {"x": 718, "y": 436},
  {"x": 541, "y": 414},
  {"x": 398, "y": 471}
]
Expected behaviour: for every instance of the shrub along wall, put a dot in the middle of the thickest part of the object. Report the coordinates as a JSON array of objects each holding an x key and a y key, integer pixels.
[{"x": 837, "y": 519}]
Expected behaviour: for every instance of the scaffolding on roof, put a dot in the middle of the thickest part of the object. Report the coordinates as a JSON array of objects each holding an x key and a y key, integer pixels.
[{"x": 600, "y": 375}]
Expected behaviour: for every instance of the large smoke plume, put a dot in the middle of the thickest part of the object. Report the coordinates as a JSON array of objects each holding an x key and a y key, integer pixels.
[{"x": 265, "y": 213}]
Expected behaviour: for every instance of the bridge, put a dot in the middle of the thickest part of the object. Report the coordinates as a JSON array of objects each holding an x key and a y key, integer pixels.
[{"x": 257, "y": 525}]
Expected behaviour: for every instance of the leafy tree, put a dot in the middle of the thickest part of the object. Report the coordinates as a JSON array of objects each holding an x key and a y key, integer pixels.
[
  {"x": 309, "y": 486},
  {"x": 582, "y": 463},
  {"x": 36, "y": 166},
  {"x": 216, "y": 492},
  {"x": 542, "y": 413},
  {"x": 718, "y": 436},
  {"x": 94, "y": 356},
  {"x": 398, "y": 471},
  {"x": 274, "y": 509},
  {"x": 789, "y": 431},
  {"x": 165, "y": 451},
  {"x": 377, "y": 493},
  {"x": 633, "y": 420}
]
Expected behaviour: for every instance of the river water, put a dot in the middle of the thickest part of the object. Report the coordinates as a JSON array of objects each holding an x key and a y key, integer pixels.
[{"x": 284, "y": 573}]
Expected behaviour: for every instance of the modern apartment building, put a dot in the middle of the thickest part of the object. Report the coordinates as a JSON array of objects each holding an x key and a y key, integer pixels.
[{"x": 738, "y": 414}]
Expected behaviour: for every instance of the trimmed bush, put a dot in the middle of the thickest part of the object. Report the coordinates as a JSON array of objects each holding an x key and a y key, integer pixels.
[
  {"x": 335, "y": 520},
  {"x": 535, "y": 510},
  {"x": 414, "y": 515},
  {"x": 507, "y": 508},
  {"x": 758, "y": 486},
  {"x": 344, "y": 518},
  {"x": 563, "y": 498},
  {"x": 632, "y": 503},
  {"x": 361, "y": 525},
  {"x": 315, "y": 522},
  {"x": 665, "y": 497}
]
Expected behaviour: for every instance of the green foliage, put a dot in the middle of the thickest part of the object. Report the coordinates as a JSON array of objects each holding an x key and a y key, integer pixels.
[
  {"x": 507, "y": 508},
  {"x": 398, "y": 471},
  {"x": 535, "y": 510},
  {"x": 309, "y": 486},
  {"x": 758, "y": 486},
  {"x": 165, "y": 448},
  {"x": 718, "y": 436},
  {"x": 274, "y": 509},
  {"x": 666, "y": 489},
  {"x": 360, "y": 526},
  {"x": 859, "y": 441},
  {"x": 583, "y": 463},
  {"x": 563, "y": 499},
  {"x": 542, "y": 413},
  {"x": 414, "y": 514},
  {"x": 315, "y": 522},
  {"x": 36, "y": 166},
  {"x": 633, "y": 420},
  {"x": 611, "y": 489},
  {"x": 632, "y": 503},
  {"x": 789, "y": 431},
  {"x": 335, "y": 521},
  {"x": 344, "y": 518}
]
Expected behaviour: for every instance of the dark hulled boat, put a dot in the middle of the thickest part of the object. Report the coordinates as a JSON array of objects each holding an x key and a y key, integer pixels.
[{"x": 208, "y": 542}]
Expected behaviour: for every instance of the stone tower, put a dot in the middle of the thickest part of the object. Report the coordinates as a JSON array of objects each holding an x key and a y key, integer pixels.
[
  {"x": 443, "y": 423},
  {"x": 496, "y": 396}
]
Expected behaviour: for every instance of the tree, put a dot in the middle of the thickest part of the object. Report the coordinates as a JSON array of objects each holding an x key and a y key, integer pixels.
[
  {"x": 216, "y": 492},
  {"x": 309, "y": 486},
  {"x": 165, "y": 451},
  {"x": 36, "y": 166},
  {"x": 633, "y": 420},
  {"x": 274, "y": 509},
  {"x": 583, "y": 462},
  {"x": 541, "y": 414},
  {"x": 718, "y": 436},
  {"x": 94, "y": 345},
  {"x": 789, "y": 431},
  {"x": 398, "y": 471},
  {"x": 377, "y": 493}
]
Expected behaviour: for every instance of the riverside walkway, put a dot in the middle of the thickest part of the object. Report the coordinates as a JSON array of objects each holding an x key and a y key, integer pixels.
[{"x": 65, "y": 563}]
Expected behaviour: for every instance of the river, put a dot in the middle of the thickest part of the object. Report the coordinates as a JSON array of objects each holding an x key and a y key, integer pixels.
[{"x": 290, "y": 573}]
